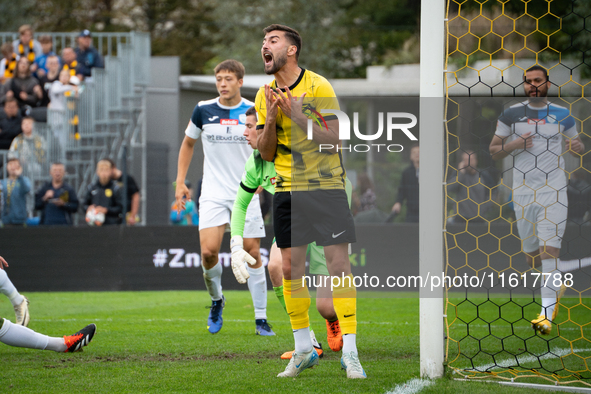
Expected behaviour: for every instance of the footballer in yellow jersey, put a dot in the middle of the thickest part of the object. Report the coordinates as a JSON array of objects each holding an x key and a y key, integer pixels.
[
  {"x": 298, "y": 162},
  {"x": 310, "y": 203}
]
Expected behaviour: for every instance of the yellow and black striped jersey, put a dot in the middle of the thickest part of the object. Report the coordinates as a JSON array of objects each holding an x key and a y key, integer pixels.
[{"x": 298, "y": 162}]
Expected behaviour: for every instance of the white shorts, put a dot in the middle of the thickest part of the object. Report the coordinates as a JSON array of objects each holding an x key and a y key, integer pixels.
[
  {"x": 217, "y": 213},
  {"x": 541, "y": 220}
]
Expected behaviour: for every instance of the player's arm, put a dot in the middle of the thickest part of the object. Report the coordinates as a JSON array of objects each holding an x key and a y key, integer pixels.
[
  {"x": 185, "y": 157},
  {"x": 239, "y": 255},
  {"x": 267, "y": 136}
]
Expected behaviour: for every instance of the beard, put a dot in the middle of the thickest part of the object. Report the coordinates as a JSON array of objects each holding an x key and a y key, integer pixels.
[{"x": 278, "y": 63}]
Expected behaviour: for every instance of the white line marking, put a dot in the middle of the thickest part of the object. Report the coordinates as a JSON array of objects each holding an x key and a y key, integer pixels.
[
  {"x": 413, "y": 386},
  {"x": 524, "y": 359}
]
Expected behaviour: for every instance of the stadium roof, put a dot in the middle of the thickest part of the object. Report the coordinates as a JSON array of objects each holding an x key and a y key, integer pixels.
[{"x": 400, "y": 80}]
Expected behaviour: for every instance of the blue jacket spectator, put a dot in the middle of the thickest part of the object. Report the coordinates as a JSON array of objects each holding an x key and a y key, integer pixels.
[
  {"x": 86, "y": 55},
  {"x": 41, "y": 60},
  {"x": 56, "y": 200},
  {"x": 14, "y": 194}
]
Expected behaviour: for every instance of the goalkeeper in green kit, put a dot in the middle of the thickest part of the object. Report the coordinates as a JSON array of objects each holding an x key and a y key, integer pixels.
[{"x": 261, "y": 173}]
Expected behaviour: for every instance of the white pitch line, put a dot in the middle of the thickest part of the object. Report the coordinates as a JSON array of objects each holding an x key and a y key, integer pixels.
[
  {"x": 510, "y": 362},
  {"x": 413, "y": 386},
  {"x": 194, "y": 320}
]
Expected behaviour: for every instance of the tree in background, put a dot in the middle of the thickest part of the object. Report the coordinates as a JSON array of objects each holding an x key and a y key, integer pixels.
[{"x": 341, "y": 37}]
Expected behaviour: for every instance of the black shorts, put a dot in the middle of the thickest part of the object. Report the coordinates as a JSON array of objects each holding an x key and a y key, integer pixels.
[{"x": 302, "y": 217}]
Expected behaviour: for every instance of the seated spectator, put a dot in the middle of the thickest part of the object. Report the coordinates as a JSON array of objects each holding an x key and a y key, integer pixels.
[
  {"x": 86, "y": 55},
  {"x": 14, "y": 194},
  {"x": 26, "y": 46},
  {"x": 70, "y": 63},
  {"x": 10, "y": 124},
  {"x": 8, "y": 62},
  {"x": 471, "y": 189},
  {"x": 579, "y": 196},
  {"x": 41, "y": 60},
  {"x": 187, "y": 217},
  {"x": 52, "y": 75},
  {"x": 104, "y": 196},
  {"x": 23, "y": 86},
  {"x": 56, "y": 200},
  {"x": 30, "y": 148},
  {"x": 133, "y": 193}
]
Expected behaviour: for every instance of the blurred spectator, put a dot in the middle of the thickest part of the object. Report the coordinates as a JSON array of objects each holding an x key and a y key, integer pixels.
[
  {"x": 70, "y": 62},
  {"x": 86, "y": 55},
  {"x": 8, "y": 62},
  {"x": 188, "y": 217},
  {"x": 56, "y": 200},
  {"x": 409, "y": 188},
  {"x": 23, "y": 86},
  {"x": 52, "y": 75},
  {"x": 14, "y": 194},
  {"x": 366, "y": 199},
  {"x": 472, "y": 205},
  {"x": 364, "y": 202},
  {"x": 10, "y": 124},
  {"x": 60, "y": 90},
  {"x": 579, "y": 196},
  {"x": 30, "y": 148},
  {"x": 133, "y": 193},
  {"x": 41, "y": 60},
  {"x": 104, "y": 196},
  {"x": 26, "y": 46}
]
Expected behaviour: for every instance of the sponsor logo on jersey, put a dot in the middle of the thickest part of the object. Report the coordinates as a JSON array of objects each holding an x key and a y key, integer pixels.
[
  {"x": 538, "y": 122},
  {"x": 213, "y": 118},
  {"x": 229, "y": 122}
]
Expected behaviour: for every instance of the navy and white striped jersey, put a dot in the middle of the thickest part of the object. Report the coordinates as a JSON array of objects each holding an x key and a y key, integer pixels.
[{"x": 538, "y": 169}]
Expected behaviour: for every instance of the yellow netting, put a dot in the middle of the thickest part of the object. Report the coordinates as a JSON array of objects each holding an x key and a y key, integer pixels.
[{"x": 490, "y": 44}]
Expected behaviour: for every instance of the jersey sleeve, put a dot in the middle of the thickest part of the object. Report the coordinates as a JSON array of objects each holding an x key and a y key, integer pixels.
[
  {"x": 251, "y": 178},
  {"x": 503, "y": 125},
  {"x": 259, "y": 104},
  {"x": 195, "y": 125},
  {"x": 241, "y": 202},
  {"x": 325, "y": 99},
  {"x": 570, "y": 127}
]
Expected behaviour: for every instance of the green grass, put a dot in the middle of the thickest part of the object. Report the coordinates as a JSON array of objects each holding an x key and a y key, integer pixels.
[{"x": 158, "y": 342}]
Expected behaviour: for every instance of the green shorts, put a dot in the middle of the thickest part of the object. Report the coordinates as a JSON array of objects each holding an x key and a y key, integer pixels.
[{"x": 317, "y": 260}]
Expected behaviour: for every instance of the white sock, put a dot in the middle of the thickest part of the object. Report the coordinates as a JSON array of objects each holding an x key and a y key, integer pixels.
[
  {"x": 349, "y": 343},
  {"x": 257, "y": 284},
  {"x": 8, "y": 289},
  {"x": 213, "y": 281},
  {"x": 20, "y": 336},
  {"x": 303, "y": 343},
  {"x": 572, "y": 265},
  {"x": 549, "y": 291}
]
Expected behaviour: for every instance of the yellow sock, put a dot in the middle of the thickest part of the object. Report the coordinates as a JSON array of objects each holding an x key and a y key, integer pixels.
[
  {"x": 344, "y": 299},
  {"x": 297, "y": 302}
]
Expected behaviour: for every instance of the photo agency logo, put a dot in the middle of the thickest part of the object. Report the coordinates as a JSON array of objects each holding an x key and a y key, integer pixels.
[{"x": 392, "y": 120}]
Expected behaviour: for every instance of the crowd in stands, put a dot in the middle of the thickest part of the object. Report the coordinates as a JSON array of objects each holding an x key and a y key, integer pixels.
[
  {"x": 34, "y": 78},
  {"x": 37, "y": 78}
]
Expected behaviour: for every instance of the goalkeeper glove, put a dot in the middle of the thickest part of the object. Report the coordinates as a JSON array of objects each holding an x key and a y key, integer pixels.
[{"x": 239, "y": 256}]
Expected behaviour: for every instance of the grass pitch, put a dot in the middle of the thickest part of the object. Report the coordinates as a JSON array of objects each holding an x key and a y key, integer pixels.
[{"x": 158, "y": 342}]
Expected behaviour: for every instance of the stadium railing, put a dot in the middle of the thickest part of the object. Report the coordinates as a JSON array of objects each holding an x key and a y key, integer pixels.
[{"x": 107, "y": 114}]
